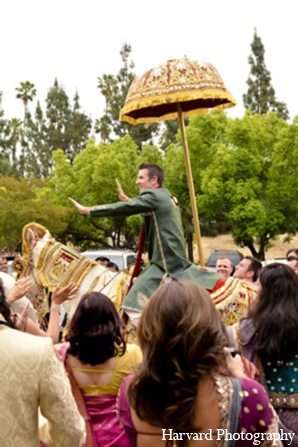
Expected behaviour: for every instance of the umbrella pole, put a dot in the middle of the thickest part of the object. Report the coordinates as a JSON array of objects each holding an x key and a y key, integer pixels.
[{"x": 191, "y": 187}]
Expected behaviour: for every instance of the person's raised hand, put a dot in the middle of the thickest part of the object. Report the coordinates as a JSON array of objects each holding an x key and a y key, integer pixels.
[
  {"x": 122, "y": 196},
  {"x": 20, "y": 289},
  {"x": 234, "y": 364},
  {"x": 202, "y": 267},
  {"x": 82, "y": 209},
  {"x": 64, "y": 294},
  {"x": 20, "y": 321}
]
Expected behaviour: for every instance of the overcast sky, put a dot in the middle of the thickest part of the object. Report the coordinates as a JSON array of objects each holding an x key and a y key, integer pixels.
[{"x": 78, "y": 41}]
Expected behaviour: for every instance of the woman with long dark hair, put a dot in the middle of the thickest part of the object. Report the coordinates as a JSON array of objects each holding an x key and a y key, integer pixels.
[
  {"x": 97, "y": 359},
  {"x": 183, "y": 390},
  {"x": 268, "y": 337}
]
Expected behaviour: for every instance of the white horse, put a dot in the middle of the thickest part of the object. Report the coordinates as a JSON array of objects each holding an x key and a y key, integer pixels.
[{"x": 49, "y": 263}]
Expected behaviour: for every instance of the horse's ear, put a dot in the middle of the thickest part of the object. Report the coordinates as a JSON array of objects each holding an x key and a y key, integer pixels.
[
  {"x": 30, "y": 237},
  {"x": 31, "y": 233}
]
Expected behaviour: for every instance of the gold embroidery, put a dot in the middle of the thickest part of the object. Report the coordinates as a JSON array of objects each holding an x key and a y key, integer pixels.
[
  {"x": 19, "y": 266},
  {"x": 58, "y": 264},
  {"x": 282, "y": 400},
  {"x": 231, "y": 319},
  {"x": 225, "y": 392},
  {"x": 233, "y": 300},
  {"x": 142, "y": 299}
]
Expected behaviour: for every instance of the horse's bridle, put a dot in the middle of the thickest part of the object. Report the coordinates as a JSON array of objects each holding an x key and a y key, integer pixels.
[{"x": 30, "y": 270}]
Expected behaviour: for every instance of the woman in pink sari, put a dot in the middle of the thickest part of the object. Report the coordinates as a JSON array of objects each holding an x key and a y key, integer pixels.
[
  {"x": 184, "y": 390},
  {"x": 97, "y": 359}
]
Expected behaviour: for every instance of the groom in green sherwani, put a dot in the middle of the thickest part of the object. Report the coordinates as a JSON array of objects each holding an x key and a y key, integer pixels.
[{"x": 163, "y": 232}]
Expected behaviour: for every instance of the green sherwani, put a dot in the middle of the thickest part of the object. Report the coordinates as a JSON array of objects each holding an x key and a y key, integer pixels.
[{"x": 166, "y": 245}]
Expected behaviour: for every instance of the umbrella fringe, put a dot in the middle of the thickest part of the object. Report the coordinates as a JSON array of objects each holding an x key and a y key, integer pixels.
[{"x": 169, "y": 100}]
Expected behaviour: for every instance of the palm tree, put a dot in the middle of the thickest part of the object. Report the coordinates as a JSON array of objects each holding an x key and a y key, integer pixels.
[{"x": 26, "y": 93}]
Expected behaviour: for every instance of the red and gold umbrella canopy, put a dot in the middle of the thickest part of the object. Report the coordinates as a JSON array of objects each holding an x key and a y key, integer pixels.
[{"x": 179, "y": 88}]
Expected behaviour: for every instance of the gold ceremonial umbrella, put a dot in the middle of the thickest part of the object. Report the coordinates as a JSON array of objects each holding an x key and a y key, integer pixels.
[{"x": 179, "y": 88}]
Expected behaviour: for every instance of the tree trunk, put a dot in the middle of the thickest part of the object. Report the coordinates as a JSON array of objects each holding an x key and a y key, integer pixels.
[{"x": 256, "y": 254}]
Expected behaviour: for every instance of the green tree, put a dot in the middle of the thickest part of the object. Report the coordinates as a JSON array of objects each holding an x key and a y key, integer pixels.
[
  {"x": 168, "y": 133},
  {"x": 67, "y": 128},
  {"x": 10, "y": 134},
  {"x": 16, "y": 134},
  {"x": 260, "y": 97},
  {"x": 108, "y": 88},
  {"x": 58, "y": 115},
  {"x": 63, "y": 126},
  {"x": 20, "y": 205},
  {"x": 114, "y": 88},
  {"x": 250, "y": 182},
  {"x": 5, "y": 164},
  {"x": 79, "y": 128},
  {"x": 38, "y": 156}
]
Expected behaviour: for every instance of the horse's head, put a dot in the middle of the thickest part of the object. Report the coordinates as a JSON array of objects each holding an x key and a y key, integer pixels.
[
  {"x": 49, "y": 263},
  {"x": 33, "y": 237},
  {"x": 32, "y": 234}
]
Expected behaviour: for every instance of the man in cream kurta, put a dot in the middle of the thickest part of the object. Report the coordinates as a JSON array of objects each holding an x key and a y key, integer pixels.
[
  {"x": 164, "y": 233},
  {"x": 32, "y": 377}
]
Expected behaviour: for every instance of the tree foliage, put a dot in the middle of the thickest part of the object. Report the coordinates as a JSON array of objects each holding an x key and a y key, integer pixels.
[
  {"x": 114, "y": 88},
  {"x": 5, "y": 161},
  {"x": 20, "y": 205},
  {"x": 240, "y": 182},
  {"x": 63, "y": 126},
  {"x": 260, "y": 97},
  {"x": 68, "y": 128}
]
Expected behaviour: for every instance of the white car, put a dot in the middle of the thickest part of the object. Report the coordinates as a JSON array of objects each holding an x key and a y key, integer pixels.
[
  {"x": 269, "y": 261},
  {"x": 122, "y": 258}
]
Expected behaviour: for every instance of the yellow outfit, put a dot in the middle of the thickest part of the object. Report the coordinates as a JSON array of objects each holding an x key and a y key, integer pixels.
[{"x": 124, "y": 367}]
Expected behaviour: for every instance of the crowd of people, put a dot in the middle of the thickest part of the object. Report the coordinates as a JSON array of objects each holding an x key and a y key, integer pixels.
[
  {"x": 187, "y": 378},
  {"x": 104, "y": 261}
]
